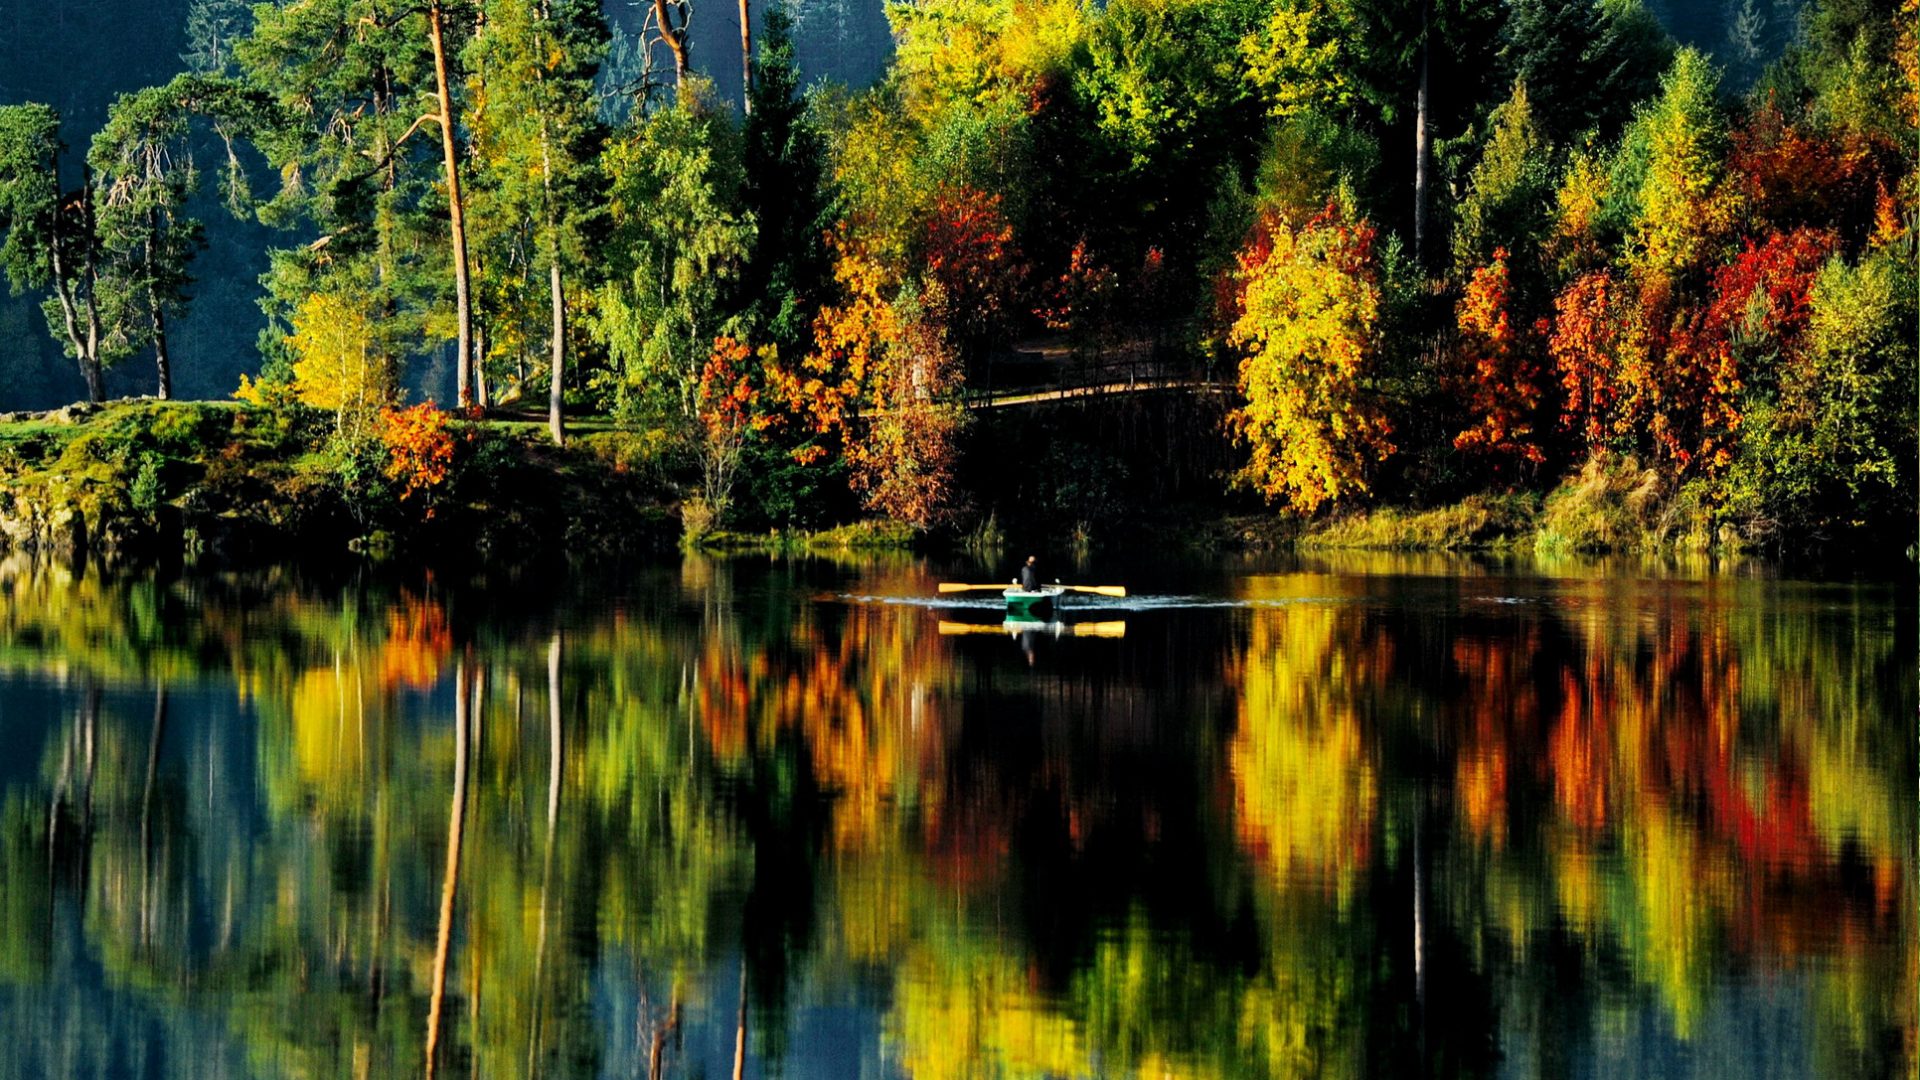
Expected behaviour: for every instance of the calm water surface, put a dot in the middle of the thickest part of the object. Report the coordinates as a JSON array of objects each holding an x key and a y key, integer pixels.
[{"x": 1314, "y": 817}]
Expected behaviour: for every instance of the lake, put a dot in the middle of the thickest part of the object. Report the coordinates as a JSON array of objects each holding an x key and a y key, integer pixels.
[{"x": 1344, "y": 816}]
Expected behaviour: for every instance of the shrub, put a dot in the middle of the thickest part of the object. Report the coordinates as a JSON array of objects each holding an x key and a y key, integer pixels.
[{"x": 419, "y": 450}]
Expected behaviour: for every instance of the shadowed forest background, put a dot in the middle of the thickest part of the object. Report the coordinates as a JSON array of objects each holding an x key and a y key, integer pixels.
[{"x": 78, "y": 56}]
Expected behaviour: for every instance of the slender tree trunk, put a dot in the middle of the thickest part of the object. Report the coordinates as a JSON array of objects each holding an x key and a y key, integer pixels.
[
  {"x": 675, "y": 37},
  {"x": 484, "y": 396},
  {"x": 456, "y": 210},
  {"x": 96, "y": 384},
  {"x": 164, "y": 370},
  {"x": 455, "y": 825},
  {"x": 1421, "y": 150},
  {"x": 86, "y": 344},
  {"x": 746, "y": 59},
  {"x": 555, "y": 426}
]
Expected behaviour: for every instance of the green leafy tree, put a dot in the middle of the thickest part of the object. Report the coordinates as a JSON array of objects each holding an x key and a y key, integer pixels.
[
  {"x": 786, "y": 191},
  {"x": 1585, "y": 63},
  {"x": 1510, "y": 190},
  {"x": 1686, "y": 206},
  {"x": 354, "y": 79},
  {"x": 1831, "y": 450},
  {"x": 212, "y": 28},
  {"x": 679, "y": 239},
  {"x": 52, "y": 241},
  {"x": 536, "y": 138},
  {"x": 143, "y": 161}
]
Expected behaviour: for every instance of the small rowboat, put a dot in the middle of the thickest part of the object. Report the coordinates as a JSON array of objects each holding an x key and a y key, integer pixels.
[
  {"x": 1035, "y": 601},
  {"x": 1032, "y": 601}
]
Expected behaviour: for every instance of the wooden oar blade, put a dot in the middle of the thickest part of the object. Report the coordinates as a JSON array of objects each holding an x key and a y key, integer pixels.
[
  {"x": 954, "y": 586},
  {"x": 1101, "y": 590},
  {"x": 1112, "y": 629}
]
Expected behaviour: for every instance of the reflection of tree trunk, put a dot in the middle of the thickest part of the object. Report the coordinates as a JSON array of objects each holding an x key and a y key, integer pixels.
[
  {"x": 476, "y": 721},
  {"x": 89, "y": 719},
  {"x": 146, "y": 817},
  {"x": 669, "y": 1029},
  {"x": 546, "y": 870},
  {"x": 455, "y": 821},
  {"x": 740, "y": 1029}
]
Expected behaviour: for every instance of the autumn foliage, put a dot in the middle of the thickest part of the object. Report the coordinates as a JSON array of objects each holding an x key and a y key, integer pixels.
[
  {"x": 1501, "y": 377},
  {"x": 419, "y": 449},
  {"x": 1308, "y": 311}
]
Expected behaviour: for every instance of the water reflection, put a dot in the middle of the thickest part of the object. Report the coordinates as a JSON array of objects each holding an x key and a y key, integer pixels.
[{"x": 714, "y": 819}]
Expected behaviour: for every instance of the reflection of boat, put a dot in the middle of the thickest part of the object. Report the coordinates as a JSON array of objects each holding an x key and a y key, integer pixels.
[{"x": 1016, "y": 626}]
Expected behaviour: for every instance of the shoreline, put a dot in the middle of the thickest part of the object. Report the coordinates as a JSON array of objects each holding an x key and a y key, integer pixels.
[{"x": 146, "y": 478}]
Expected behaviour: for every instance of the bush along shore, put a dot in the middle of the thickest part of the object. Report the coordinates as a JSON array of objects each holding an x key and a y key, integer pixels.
[
  {"x": 145, "y": 478},
  {"x": 148, "y": 478}
]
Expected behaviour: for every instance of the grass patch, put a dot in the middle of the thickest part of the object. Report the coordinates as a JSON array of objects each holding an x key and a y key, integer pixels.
[
  {"x": 854, "y": 536},
  {"x": 1610, "y": 504},
  {"x": 1478, "y": 522}
]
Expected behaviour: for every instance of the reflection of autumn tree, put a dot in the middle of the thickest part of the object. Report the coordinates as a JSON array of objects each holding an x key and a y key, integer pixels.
[
  {"x": 1302, "y": 768},
  {"x": 1689, "y": 732},
  {"x": 1639, "y": 789}
]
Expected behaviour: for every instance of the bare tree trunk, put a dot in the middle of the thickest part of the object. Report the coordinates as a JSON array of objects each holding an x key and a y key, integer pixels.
[
  {"x": 555, "y": 426},
  {"x": 557, "y": 335},
  {"x": 746, "y": 59},
  {"x": 675, "y": 36},
  {"x": 164, "y": 387},
  {"x": 456, "y": 210},
  {"x": 86, "y": 344},
  {"x": 1421, "y": 150},
  {"x": 455, "y": 824},
  {"x": 480, "y": 364}
]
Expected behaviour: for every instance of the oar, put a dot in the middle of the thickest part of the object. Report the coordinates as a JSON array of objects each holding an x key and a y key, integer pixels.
[
  {"x": 952, "y": 586},
  {"x": 1101, "y": 590}
]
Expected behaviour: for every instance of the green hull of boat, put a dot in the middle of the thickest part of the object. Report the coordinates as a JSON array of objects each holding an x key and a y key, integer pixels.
[{"x": 1020, "y": 601}]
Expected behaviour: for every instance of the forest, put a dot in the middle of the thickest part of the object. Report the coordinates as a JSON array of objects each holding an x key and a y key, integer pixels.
[{"x": 1405, "y": 254}]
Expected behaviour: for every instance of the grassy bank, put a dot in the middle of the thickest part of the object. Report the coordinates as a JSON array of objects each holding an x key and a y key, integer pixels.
[
  {"x": 151, "y": 477},
  {"x": 854, "y": 536},
  {"x": 1610, "y": 505}
]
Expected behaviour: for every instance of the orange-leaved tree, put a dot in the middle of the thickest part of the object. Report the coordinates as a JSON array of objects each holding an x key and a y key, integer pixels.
[
  {"x": 969, "y": 251},
  {"x": 1589, "y": 320},
  {"x": 731, "y": 408},
  {"x": 1499, "y": 374},
  {"x": 1306, "y": 302},
  {"x": 880, "y": 382},
  {"x": 419, "y": 450}
]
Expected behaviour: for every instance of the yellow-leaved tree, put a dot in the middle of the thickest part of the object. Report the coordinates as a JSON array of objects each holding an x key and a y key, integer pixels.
[
  {"x": 1687, "y": 207},
  {"x": 1307, "y": 326},
  {"x": 338, "y": 364}
]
